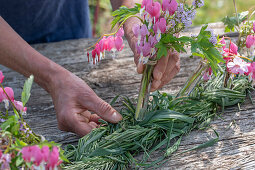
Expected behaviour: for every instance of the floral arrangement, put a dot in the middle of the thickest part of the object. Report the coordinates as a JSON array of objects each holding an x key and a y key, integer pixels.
[
  {"x": 224, "y": 77},
  {"x": 20, "y": 147}
]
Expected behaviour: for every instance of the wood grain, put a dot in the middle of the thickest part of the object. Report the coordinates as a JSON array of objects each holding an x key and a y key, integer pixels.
[{"x": 111, "y": 77}]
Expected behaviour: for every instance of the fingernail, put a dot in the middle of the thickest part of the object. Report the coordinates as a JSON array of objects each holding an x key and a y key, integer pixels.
[
  {"x": 116, "y": 117},
  {"x": 158, "y": 75}
]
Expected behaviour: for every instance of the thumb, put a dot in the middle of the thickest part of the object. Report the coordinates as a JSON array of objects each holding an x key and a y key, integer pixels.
[
  {"x": 103, "y": 109},
  {"x": 140, "y": 67}
]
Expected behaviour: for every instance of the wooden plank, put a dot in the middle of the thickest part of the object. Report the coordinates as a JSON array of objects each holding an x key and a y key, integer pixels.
[{"x": 118, "y": 76}]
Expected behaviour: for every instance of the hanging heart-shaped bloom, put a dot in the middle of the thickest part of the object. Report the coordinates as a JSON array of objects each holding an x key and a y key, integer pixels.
[
  {"x": 233, "y": 48},
  {"x": 254, "y": 26},
  {"x": 120, "y": 32},
  {"x": 160, "y": 26},
  {"x": 45, "y": 153},
  {"x": 110, "y": 43},
  {"x": 145, "y": 3},
  {"x": 152, "y": 40},
  {"x": 238, "y": 66},
  {"x": 154, "y": 10},
  {"x": 1, "y": 77},
  {"x": 251, "y": 71},
  {"x": 103, "y": 44},
  {"x": 19, "y": 106},
  {"x": 250, "y": 41},
  {"x": 208, "y": 74},
  {"x": 146, "y": 49},
  {"x": 9, "y": 92},
  {"x": 53, "y": 160},
  {"x": 118, "y": 43},
  {"x": 169, "y": 6}
]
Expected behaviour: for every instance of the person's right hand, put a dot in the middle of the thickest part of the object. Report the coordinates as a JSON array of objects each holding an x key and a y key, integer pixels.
[
  {"x": 165, "y": 69},
  {"x": 73, "y": 100}
]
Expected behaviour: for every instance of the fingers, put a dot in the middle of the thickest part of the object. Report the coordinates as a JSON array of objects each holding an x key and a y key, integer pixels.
[
  {"x": 158, "y": 72},
  {"x": 172, "y": 70},
  {"x": 140, "y": 68},
  {"x": 101, "y": 108},
  {"x": 165, "y": 71}
]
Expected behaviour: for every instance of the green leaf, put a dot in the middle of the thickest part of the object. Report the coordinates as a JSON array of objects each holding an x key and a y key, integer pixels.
[
  {"x": 162, "y": 50},
  {"x": 26, "y": 90},
  {"x": 104, "y": 152},
  {"x": 173, "y": 148},
  {"x": 19, "y": 161},
  {"x": 167, "y": 115},
  {"x": 216, "y": 54},
  {"x": 123, "y": 13}
]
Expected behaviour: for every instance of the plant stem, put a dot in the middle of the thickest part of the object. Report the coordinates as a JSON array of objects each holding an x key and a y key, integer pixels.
[
  {"x": 36, "y": 137},
  {"x": 192, "y": 80},
  {"x": 122, "y": 23},
  {"x": 238, "y": 24},
  {"x": 144, "y": 93}
]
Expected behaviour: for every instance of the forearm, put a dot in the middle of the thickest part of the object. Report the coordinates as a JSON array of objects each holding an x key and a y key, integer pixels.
[{"x": 18, "y": 55}]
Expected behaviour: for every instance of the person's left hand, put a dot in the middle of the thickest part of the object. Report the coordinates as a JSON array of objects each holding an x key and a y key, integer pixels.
[{"x": 165, "y": 69}]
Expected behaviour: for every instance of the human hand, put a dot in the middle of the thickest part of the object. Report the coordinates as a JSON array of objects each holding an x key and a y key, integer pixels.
[
  {"x": 73, "y": 100},
  {"x": 165, "y": 69}
]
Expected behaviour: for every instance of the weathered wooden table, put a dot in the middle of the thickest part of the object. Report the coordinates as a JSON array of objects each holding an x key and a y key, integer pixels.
[{"x": 236, "y": 147}]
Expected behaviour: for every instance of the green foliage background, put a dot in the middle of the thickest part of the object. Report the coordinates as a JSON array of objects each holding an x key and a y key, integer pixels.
[{"x": 213, "y": 11}]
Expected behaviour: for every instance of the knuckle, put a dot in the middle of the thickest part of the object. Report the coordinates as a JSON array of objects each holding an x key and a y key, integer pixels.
[{"x": 104, "y": 107}]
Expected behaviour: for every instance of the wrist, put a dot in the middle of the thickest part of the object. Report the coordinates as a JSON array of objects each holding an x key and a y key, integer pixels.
[{"x": 50, "y": 75}]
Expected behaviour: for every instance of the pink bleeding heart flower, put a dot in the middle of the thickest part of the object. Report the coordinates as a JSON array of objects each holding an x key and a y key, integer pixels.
[
  {"x": 37, "y": 156},
  {"x": 145, "y": 3},
  {"x": 233, "y": 48},
  {"x": 231, "y": 51},
  {"x": 53, "y": 160},
  {"x": 120, "y": 32},
  {"x": 103, "y": 44},
  {"x": 160, "y": 26},
  {"x": 1, "y": 77},
  {"x": 208, "y": 74},
  {"x": 170, "y": 6},
  {"x": 152, "y": 40},
  {"x": 27, "y": 153},
  {"x": 146, "y": 49},
  {"x": 154, "y": 10},
  {"x": 118, "y": 43},
  {"x": 45, "y": 153},
  {"x": 251, "y": 71},
  {"x": 19, "y": 106},
  {"x": 140, "y": 31},
  {"x": 250, "y": 41},
  {"x": 98, "y": 52},
  {"x": 110, "y": 42},
  {"x": 238, "y": 66},
  {"x": 254, "y": 26},
  {"x": 94, "y": 56},
  {"x": 9, "y": 92}
]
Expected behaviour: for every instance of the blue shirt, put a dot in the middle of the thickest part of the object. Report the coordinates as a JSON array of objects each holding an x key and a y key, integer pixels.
[{"x": 38, "y": 21}]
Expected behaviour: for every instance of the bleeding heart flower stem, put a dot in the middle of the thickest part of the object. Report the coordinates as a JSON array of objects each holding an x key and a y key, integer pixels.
[
  {"x": 37, "y": 138},
  {"x": 106, "y": 35}
]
